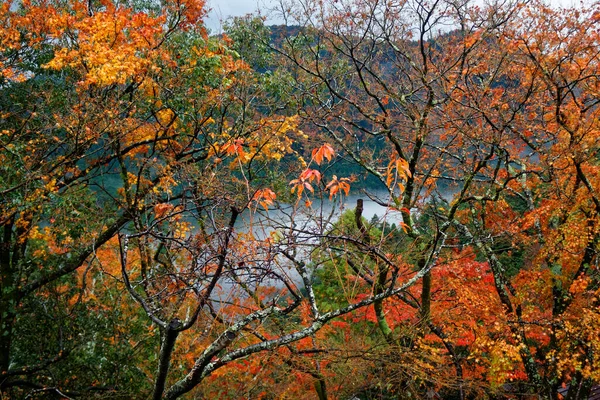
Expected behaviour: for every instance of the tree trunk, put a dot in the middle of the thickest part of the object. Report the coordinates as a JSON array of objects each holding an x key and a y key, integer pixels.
[
  {"x": 166, "y": 350},
  {"x": 7, "y": 319},
  {"x": 8, "y": 299}
]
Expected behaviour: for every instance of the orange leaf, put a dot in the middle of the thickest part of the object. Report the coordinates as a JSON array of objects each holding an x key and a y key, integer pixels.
[
  {"x": 310, "y": 175},
  {"x": 264, "y": 197},
  {"x": 335, "y": 185},
  {"x": 325, "y": 151}
]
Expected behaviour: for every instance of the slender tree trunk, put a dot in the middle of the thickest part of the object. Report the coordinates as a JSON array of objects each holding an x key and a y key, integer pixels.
[
  {"x": 321, "y": 389},
  {"x": 8, "y": 298},
  {"x": 426, "y": 295},
  {"x": 166, "y": 350},
  {"x": 7, "y": 318}
]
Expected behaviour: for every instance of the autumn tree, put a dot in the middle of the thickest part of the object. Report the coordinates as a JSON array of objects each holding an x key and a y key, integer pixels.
[
  {"x": 377, "y": 78},
  {"x": 133, "y": 146},
  {"x": 79, "y": 95},
  {"x": 543, "y": 108},
  {"x": 171, "y": 202},
  {"x": 477, "y": 121}
]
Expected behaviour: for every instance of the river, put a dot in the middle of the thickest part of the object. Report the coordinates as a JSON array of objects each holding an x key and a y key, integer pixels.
[{"x": 321, "y": 213}]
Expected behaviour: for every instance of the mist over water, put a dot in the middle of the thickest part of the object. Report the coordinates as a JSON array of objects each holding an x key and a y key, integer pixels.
[{"x": 321, "y": 214}]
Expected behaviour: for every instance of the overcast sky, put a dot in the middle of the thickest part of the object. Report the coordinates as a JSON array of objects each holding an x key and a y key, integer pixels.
[{"x": 222, "y": 9}]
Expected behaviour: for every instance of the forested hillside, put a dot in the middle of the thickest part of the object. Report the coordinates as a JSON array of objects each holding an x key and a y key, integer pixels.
[{"x": 175, "y": 213}]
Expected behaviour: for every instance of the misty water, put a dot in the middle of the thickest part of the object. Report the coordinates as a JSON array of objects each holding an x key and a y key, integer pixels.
[
  {"x": 321, "y": 214},
  {"x": 305, "y": 224}
]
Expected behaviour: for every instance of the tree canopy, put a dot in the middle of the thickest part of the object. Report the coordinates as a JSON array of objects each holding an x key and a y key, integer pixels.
[{"x": 175, "y": 207}]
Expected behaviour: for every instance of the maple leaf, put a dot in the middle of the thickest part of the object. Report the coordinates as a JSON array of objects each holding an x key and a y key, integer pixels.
[
  {"x": 310, "y": 175},
  {"x": 264, "y": 197},
  {"x": 335, "y": 185},
  {"x": 323, "y": 152}
]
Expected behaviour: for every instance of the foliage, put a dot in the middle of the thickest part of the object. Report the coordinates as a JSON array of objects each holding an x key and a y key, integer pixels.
[
  {"x": 173, "y": 220},
  {"x": 490, "y": 154}
]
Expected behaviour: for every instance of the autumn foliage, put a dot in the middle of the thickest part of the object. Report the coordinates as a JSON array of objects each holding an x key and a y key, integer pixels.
[{"x": 175, "y": 215}]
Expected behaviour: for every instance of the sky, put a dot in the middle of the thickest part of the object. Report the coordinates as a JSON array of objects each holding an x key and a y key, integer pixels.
[{"x": 222, "y": 9}]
